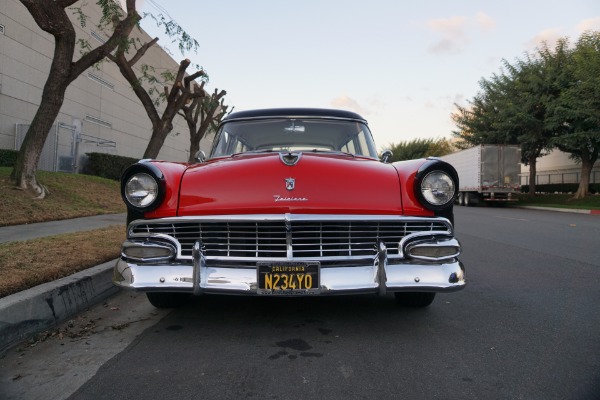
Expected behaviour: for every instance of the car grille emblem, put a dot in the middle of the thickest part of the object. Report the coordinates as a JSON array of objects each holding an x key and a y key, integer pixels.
[{"x": 290, "y": 183}]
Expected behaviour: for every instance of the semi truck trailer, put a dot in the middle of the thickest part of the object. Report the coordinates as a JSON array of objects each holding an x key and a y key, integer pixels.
[{"x": 487, "y": 173}]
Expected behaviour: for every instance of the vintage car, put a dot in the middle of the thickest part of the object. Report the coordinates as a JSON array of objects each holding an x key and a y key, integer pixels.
[{"x": 291, "y": 202}]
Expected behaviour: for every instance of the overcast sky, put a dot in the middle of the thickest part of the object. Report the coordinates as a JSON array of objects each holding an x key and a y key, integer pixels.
[{"x": 401, "y": 65}]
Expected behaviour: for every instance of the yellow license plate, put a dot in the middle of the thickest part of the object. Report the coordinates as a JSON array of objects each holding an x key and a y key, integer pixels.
[{"x": 288, "y": 278}]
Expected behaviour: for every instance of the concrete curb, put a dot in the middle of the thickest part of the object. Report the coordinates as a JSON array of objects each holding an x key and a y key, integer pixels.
[
  {"x": 34, "y": 310},
  {"x": 566, "y": 210}
]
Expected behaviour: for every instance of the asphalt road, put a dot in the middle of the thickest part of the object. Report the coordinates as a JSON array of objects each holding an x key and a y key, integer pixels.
[{"x": 526, "y": 327}]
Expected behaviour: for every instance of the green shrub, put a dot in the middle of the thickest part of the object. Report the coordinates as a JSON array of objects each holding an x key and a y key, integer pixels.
[
  {"x": 8, "y": 157},
  {"x": 107, "y": 165}
]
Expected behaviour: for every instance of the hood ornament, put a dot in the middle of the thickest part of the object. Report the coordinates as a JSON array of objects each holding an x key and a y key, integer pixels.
[
  {"x": 290, "y": 158},
  {"x": 290, "y": 183}
]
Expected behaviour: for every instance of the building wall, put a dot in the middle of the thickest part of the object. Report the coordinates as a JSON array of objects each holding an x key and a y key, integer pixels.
[
  {"x": 558, "y": 167},
  {"x": 100, "y": 99}
]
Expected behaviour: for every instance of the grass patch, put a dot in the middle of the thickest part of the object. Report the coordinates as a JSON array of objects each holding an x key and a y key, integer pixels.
[
  {"x": 71, "y": 196},
  {"x": 560, "y": 201},
  {"x": 29, "y": 263}
]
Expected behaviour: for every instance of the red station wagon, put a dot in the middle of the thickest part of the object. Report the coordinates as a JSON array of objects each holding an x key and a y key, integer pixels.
[{"x": 291, "y": 202}]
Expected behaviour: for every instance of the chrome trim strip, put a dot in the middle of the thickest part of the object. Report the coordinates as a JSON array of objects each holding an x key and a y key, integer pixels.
[{"x": 293, "y": 217}]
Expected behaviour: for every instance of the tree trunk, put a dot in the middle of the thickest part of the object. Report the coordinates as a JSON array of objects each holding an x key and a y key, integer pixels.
[
  {"x": 210, "y": 112},
  {"x": 52, "y": 18},
  {"x": 53, "y": 95},
  {"x": 24, "y": 172},
  {"x": 159, "y": 135},
  {"x": 587, "y": 164},
  {"x": 194, "y": 148},
  {"x": 532, "y": 174}
]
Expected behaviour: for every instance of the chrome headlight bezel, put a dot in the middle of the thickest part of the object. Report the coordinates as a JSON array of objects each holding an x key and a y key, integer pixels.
[
  {"x": 143, "y": 177},
  {"x": 141, "y": 190},
  {"x": 433, "y": 178}
]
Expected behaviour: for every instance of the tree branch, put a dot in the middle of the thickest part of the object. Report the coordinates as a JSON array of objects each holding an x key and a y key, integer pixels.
[
  {"x": 129, "y": 74},
  {"x": 178, "y": 79},
  {"x": 142, "y": 50},
  {"x": 121, "y": 32},
  {"x": 193, "y": 77}
]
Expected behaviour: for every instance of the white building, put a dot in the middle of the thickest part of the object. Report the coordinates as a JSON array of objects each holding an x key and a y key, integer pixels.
[
  {"x": 558, "y": 167},
  {"x": 100, "y": 113}
]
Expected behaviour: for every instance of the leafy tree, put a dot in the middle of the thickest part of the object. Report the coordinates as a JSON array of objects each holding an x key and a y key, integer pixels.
[
  {"x": 575, "y": 114},
  {"x": 51, "y": 17},
  {"x": 530, "y": 88},
  {"x": 202, "y": 115},
  {"x": 512, "y": 107},
  {"x": 419, "y": 148},
  {"x": 478, "y": 122}
]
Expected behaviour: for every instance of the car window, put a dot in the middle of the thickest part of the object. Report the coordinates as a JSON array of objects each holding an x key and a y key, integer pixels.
[{"x": 294, "y": 134}]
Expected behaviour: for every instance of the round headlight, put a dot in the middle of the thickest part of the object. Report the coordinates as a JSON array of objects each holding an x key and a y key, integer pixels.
[
  {"x": 437, "y": 188},
  {"x": 141, "y": 190}
]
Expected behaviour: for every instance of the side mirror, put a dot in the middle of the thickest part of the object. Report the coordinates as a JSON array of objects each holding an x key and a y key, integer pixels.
[
  {"x": 386, "y": 155},
  {"x": 200, "y": 156}
]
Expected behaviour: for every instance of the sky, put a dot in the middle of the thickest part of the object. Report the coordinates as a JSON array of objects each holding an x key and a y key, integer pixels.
[{"x": 402, "y": 65}]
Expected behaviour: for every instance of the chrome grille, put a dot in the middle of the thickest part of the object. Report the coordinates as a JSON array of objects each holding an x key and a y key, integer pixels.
[{"x": 308, "y": 238}]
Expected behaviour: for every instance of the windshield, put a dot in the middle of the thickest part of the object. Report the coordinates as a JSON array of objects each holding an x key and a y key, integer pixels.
[{"x": 294, "y": 134}]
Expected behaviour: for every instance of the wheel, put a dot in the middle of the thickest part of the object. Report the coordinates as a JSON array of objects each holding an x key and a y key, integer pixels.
[
  {"x": 461, "y": 199},
  {"x": 167, "y": 300},
  {"x": 415, "y": 299},
  {"x": 467, "y": 200}
]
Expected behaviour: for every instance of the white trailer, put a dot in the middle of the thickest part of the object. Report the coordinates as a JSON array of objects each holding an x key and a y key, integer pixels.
[{"x": 487, "y": 173}]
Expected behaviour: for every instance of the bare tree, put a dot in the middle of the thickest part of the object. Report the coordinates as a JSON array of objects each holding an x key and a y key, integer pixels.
[
  {"x": 175, "y": 97},
  {"x": 51, "y": 17},
  {"x": 203, "y": 114}
]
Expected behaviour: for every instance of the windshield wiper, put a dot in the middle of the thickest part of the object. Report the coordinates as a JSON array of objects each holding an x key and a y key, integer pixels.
[
  {"x": 335, "y": 152},
  {"x": 252, "y": 152}
]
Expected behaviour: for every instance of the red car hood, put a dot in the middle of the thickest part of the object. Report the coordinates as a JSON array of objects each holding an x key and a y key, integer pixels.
[{"x": 321, "y": 184}]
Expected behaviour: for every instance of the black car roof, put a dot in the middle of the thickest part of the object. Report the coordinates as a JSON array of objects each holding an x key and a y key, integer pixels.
[{"x": 293, "y": 112}]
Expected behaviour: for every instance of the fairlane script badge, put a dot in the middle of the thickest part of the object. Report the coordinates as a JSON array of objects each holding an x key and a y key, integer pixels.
[
  {"x": 283, "y": 198},
  {"x": 290, "y": 183}
]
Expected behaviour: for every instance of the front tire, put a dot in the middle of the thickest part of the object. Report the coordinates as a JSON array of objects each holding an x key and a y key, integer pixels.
[
  {"x": 415, "y": 299},
  {"x": 167, "y": 300}
]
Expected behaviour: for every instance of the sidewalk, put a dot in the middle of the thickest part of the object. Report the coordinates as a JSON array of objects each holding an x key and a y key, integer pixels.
[
  {"x": 17, "y": 233},
  {"x": 31, "y": 311}
]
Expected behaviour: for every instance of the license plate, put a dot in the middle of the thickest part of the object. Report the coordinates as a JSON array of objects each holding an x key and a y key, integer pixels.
[{"x": 288, "y": 278}]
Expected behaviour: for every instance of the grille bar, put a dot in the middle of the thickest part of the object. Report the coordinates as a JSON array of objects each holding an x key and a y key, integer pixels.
[{"x": 281, "y": 238}]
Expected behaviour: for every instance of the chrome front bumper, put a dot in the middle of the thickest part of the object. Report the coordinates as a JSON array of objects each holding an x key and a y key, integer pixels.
[{"x": 369, "y": 276}]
